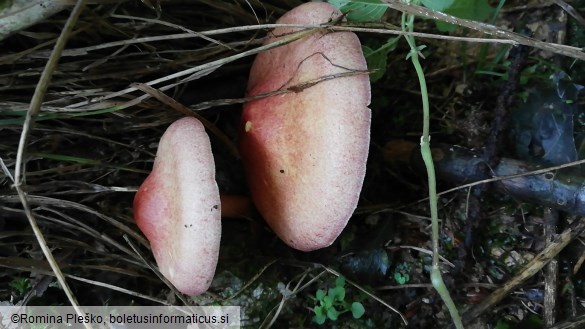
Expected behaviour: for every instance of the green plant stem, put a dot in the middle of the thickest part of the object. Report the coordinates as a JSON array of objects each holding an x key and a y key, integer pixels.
[{"x": 425, "y": 148}]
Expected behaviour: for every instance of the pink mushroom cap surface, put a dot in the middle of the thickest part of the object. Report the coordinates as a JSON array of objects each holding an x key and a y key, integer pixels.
[
  {"x": 178, "y": 207},
  {"x": 305, "y": 152}
]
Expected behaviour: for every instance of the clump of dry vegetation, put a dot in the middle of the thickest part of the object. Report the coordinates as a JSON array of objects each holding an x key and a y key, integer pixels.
[{"x": 130, "y": 68}]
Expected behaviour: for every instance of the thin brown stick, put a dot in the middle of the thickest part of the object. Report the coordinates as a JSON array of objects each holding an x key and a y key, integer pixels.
[
  {"x": 551, "y": 218},
  {"x": 577, "y": 322},
  {"x": 194, "y": 72},
  {"x": 354, "y": 27}
]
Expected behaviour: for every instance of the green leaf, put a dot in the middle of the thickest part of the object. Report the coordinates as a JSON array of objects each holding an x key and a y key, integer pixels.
[
  {"x": 327, "y": 302},
  {"x": 361, "y": 10},
  {"x": 5, "y": 4},
  {"x": 339, "y": 3},
  {"x": 332, "y": 314},
  {"x": 340, "y": 281},
  {"x": 331, "y": 293},
  {"x": 502, "y": 324},
  {"x": 320, "y": 294},
  {"x": 320, "y": 315},
  {"x": 319, "y": 311},
  {"x": 533, "y": 321},
  {"x": 478, "y": 10},
  {"x": 340, "y": 293},
  {"x": 365, "y": 10},
  {"x": 337, "y": 293},
  {"x": 438, "y": 5},
  {"x": 357, "y": 310},
  {"x": 401, "y": 278},
  {"x": 319, "y": 318},
  {"x": 20, "y": 285},
  {"x": 377, "y": 59}
]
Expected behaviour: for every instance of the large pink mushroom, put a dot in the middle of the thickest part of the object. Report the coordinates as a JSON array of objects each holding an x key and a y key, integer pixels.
[
  {"x": 178, "y": 207},
  {"x": 305, "y": 152}
]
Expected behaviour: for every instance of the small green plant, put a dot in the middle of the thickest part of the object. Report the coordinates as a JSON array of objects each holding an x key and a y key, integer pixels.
[
  {"x": 331, "y": 304},
  {"x": 503, "y": 324},
  {"x": 401, "y": 275},
  {"x": 20, "y": 285}
]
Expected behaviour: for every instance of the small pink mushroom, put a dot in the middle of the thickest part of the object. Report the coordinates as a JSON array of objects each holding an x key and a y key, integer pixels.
[
  {"x": 178, "y": 208},
  {"x": 305, "y": 152}
]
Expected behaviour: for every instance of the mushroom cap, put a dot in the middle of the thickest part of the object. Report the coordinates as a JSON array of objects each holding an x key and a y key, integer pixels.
[
  {"x": 178, "y": 207},
  {"x": 305, "y": 152}
]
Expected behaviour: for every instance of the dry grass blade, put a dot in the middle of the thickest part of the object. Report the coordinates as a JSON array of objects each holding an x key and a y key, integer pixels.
[
  {"x": 159, "y": 95},
  {"x": 44, "y": 269},
  {"x": 191, "y": 73},
  {"x": 19, "y": 175},
  {"x": 65, "y": 204},
  {"x": 487, "y": 29},
  {"x": 155, "y": 270}
]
